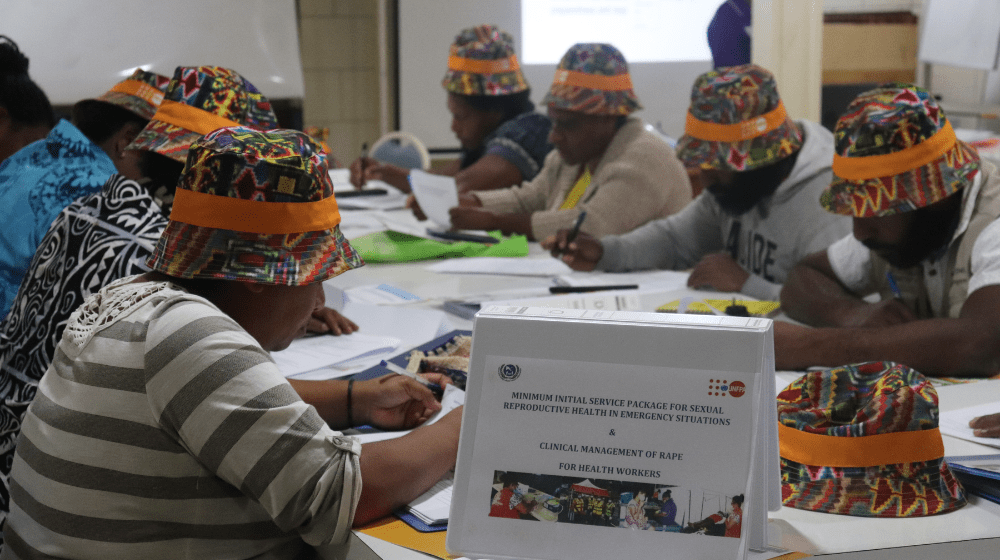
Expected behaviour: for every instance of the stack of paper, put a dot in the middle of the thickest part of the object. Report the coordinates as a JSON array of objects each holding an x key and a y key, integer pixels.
[{"x": 326, "y": 356}]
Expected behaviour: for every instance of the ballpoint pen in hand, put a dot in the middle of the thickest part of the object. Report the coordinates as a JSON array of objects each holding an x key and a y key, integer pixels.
[
  {"x": 434, "y": 387},
  {"x": 576, "y": 227}
]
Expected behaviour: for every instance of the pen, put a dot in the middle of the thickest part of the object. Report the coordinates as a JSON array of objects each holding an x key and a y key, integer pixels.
[
  {"x": 893, "y": 287},
  {"x": 576, "y": 228},
  {"x": 364, "y": 156},
  {"x": 584, "y": 289},
  {"x": 434, "y": 387}
]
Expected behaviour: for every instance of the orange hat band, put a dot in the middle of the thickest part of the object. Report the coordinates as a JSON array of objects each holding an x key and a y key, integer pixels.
[
  {"x": 737, "y": 132},
  {"x": 887, "y": 165},
  {"x": 139, "y": 89},
  {"x": 191, "y": 118},
  {"x": 253, "y": 216},
  {"x": 620, "y": 82},
  {"x": 500, "y": 66},
  {"x": 865, "y": 451}
]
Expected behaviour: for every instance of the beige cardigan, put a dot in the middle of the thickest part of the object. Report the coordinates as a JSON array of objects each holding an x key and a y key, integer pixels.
[{"x": 638, "y": 179}]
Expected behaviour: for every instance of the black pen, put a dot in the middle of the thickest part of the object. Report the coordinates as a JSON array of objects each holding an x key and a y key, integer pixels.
[
  {"x": 584, "y": 289},
  {"x": 576, "y": 228}
]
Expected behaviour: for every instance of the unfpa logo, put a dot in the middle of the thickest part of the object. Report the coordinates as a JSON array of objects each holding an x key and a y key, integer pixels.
[
  {"x": 509, "y": 372},
  {"x": 722, "y": 387}
]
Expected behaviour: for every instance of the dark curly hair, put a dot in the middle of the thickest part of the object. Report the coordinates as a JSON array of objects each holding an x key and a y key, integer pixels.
[{"x": 25, "y": 102}]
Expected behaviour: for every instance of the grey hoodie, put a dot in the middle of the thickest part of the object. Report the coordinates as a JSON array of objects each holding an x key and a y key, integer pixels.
[{"x": 767, "y": 241}]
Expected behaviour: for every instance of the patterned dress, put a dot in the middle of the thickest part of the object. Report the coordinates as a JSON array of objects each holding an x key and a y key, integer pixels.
[
  {"x": 94, "y": 241},
  {"x": 35, "y": 184}
]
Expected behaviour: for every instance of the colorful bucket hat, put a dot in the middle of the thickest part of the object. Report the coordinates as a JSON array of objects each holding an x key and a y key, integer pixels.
[
  {"x": 737, "y": 121},
  {"x": 863, "y": 440},
  {"x": 197, "y": 101},
  {"x": 593, "y": 78},
  {"x": 258, "y": 207},
  {"x": 896, "y": 152},
  {"x": 482, "y": 62},
  {"x": 140, "y": 93}
]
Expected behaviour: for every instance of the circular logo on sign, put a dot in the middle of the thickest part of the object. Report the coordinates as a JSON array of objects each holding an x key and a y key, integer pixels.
[
  {"x": 509, "y": 372},
  {"x": 737, "y": 388}
]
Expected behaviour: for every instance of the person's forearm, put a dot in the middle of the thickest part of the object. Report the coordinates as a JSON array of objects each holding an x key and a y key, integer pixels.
[
  {"x": 396, "y": 471},
  {"x": 812, "y": 297},
  {"x": 329, "y": 397},
  {"x": 511, "y": 224},
  {"x": 938, "y": 347}
]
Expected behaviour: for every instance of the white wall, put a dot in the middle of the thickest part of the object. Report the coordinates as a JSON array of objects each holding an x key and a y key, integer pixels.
[
  {"x": 80, "y": 48},
  {"x": 427, "y": 28}
]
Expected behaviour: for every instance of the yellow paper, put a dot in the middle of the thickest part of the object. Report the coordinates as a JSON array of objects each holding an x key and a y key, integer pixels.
[{"x": 756, "y": 308}]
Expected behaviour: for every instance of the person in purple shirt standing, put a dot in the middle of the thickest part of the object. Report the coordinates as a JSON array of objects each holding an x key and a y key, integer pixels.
[{"x": 729, "y": 34}]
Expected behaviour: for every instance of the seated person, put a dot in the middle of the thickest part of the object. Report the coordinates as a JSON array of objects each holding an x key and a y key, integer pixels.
[
  {"x": 74, "y": 160},
  {"x": 504, "y": 141},
  {"x": 109, "y": 235},
  {"x": 760, "y": 213},
  {"x": 25, "y": 112},
  {"x": 926, "y": 239},
  {"x": 509, "y": 503},
  {"x": 605, "y": 163},
  {"x": 165, "y": 427},
  {"x": 722, "y": 524}
]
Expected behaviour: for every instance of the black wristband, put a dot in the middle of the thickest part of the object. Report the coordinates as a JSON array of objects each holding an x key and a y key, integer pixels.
[{"x": 350, "y": 408}]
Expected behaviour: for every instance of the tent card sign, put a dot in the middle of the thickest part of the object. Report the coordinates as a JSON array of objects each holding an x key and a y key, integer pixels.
[{"x": 586, "y": 433}]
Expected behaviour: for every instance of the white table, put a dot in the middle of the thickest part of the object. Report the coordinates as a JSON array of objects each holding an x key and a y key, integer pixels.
[{"x": 971, "y": 532}]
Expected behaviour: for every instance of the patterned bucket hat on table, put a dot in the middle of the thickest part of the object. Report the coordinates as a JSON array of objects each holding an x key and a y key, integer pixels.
[
  {"x": 482, "y": 62},
  {"x": 863, "y": 440},
  {"x": 737, "y": 121},
  {"x": 197, "y": 101},
  {"x": 141, "y": 93},
  {"x": 896, "y": 152},
  {"x": 258, "y": 207},
  {"x": 593, "y": 78}
]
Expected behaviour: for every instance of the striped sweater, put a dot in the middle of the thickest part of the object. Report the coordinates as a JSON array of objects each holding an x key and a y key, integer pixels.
[{"x": 163, "y": 430}]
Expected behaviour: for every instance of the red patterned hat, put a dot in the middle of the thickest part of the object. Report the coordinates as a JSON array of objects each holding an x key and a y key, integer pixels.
[
  {"x": 593, "y": 78},
  {"x": 737, "y": 121},
  {"x": 896, "y": 152},
  {"x": 141, "y": 93},
  {"x": 197, "y": 101},
  {"x": 482, "y": 62},
  {"x": 258, "y": 207},
  {"x": 863, "y": 440}
]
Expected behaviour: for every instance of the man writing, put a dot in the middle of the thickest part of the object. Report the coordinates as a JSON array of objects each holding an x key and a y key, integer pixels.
[
  {"x": 926, "y": 239},
  {"x": 764, "y": 174}
]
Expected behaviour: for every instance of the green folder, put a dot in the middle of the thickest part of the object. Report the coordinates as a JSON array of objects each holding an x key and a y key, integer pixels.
[{"x": 394, "y": 247}]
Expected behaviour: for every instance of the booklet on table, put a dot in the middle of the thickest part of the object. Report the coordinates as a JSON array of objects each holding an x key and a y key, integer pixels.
[{"x": 594, "y": 422}]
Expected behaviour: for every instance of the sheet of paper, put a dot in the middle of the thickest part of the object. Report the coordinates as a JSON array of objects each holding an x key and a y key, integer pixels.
[
  {"x": 646, "y": 279},
  {"x": 411, "y": 325},
  {"x": 355, "y": 223},
  {"x": 436, "y": 194},
  {"x": 432, "y": 507},
  {"x": 381, "y": 294},
  {"x": 511, "y": 266},
  {"x": 331, "y": 352},
  {"x": 620, "y": 300},
  {"x": 341, "y": 179},
  {"x": 955, "y": 423}
]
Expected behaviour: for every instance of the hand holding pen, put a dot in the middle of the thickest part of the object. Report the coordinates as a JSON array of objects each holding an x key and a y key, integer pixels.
[{"x": 434, "y": 387}]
